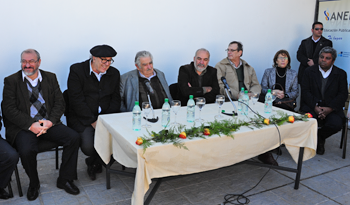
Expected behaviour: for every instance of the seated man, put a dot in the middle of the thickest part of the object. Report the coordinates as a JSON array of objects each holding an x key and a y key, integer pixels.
[
  {"x": 237, "y": 72},
  {"x": 198, "y": 79},
  {"x": 32, "y": 107},
  {"x": 132, "y": 85},
  {"x": 8, "y": 161},
  {"x": 93, "y": 89},
  {"x": 324, "y": 90}
]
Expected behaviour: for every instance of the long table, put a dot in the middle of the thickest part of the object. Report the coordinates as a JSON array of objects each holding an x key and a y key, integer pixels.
[{"x": 114, "y": 136}]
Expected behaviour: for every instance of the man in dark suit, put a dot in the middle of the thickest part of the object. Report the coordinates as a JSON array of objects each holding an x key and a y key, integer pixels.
[
  {"x": 8, "y": 161},
  {"x": 93, "y": 89},
  {"x": 309, "y": 48},
  {"x": 32, "y": 107},
  {"x": 324, "y": 88},
  {"x": 198, "y": 79}
]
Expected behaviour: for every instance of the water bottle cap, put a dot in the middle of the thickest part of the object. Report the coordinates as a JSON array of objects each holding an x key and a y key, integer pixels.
[
  {"x": 191, "y": 96},
  {"x": 136, "y": 102},
  {"x": 242, "y": 88},
  {"x": 166, "y": 100},
  {"x": 246, "y": 91},
  {"x": 222, "y": 111},
  {"x": 269, "y": 90}
]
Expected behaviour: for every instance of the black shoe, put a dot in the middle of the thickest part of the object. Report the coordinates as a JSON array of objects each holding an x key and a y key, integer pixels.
[
  {"x": 98, "y": 168},
  {"x": 320, "y": 149},
  {"x": 68, "y": 186},
  {"x": 33, "y": 192},
  {"x": 267, "y": 158},
  {"x": 90, "y": 170},
  {"x": 4, "y": 194}
]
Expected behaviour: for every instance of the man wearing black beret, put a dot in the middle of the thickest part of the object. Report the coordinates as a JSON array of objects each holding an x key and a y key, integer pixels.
[{"x": 93, "y": 89}]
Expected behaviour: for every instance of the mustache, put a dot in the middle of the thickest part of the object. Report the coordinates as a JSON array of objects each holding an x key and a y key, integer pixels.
[{"x": 201, "y": 65}]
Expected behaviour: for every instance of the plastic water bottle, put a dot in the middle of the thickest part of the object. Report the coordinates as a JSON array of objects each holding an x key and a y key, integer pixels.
[
  {"x": 166, "y": 113},
  {"x": 191, "y": 109},
  {"x": 240, "y": 99},
  {"x": 268, "y": 102},
  {"x": 136, "y": 117},
  {"x": 245, "y": 100}
]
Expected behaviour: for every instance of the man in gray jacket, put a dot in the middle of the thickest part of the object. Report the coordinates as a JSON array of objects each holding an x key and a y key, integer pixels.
[
  {"x": 133, "y": 84},
  {"x": 237, "y": 72}
]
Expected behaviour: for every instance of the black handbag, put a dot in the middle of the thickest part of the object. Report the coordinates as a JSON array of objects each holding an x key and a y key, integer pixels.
[{"x": 284, "y": 103}]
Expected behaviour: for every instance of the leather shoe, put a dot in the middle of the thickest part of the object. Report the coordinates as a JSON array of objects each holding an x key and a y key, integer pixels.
[
  {"x": 98, "y": 168},
  {"x": 33, "y": 192},
  {"x": 4, "y": 194},
  {"x": 90, "y": 170},
  {"x": 320, "y": 149},
  {"x": 68, "y": 186},
  {"x": 267, "y": 158}
]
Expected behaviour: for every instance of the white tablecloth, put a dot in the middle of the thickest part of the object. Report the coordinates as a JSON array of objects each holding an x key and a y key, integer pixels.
[{"x": 114, "y": 136}]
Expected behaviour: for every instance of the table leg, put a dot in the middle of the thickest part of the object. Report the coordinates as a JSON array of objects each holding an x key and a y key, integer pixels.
[
  {"x": 154, "y": 190},
  {"x": 300, "y": 163},
  {"x": 108, "y": 173}
]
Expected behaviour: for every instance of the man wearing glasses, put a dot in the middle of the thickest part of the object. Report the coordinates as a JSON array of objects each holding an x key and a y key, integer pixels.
[
  {"x": 309, "y": 48},
  {"x": 93, "y": 89},
  {"x": 238, "y": 73},
  {"x": 32, "y": 107}
]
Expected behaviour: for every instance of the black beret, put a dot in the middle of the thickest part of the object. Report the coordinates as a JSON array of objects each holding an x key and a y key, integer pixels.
[{"x": 103, "y": 51}]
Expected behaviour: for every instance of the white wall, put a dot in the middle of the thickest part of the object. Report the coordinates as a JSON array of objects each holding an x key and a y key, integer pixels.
[{"x": 64, "y": 31}]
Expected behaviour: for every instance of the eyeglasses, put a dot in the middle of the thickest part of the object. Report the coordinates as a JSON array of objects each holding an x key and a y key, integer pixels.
[
  {"x": 231, "y": 50},
  {"x": 29, "y": 62},
  {"x": 104, "y": 61},
  {"x": 318, "y": 29},
  {"x": 282, "y": 58}
]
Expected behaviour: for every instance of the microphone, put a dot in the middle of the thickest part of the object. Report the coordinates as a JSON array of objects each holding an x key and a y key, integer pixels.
[
  {"x": 149, "y": 87},
  {"x": 223, "y": 79}
]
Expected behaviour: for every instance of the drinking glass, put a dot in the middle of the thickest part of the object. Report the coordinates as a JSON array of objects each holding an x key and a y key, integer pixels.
[
  {"x": 255, "y": 98},
  {"x": 175, "y": 106},
  {"x": 274, "y": 93},
  {"x": 146, "y": 109},
  {"x": 220, "y": 99},
  {"x": 200, "y": 102}
]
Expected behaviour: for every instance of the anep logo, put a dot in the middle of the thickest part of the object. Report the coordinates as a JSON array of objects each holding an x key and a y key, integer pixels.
[{"x": 326, "y": 13}]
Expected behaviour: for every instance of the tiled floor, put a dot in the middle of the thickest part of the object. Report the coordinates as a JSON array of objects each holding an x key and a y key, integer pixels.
[{"x": 325, "y": 180}]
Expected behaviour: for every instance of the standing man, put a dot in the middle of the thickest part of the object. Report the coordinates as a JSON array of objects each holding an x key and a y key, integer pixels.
[
  {"x": 198, "y": 79},
  {"x": 132, "y": 86},
  {"x": 32, "y": 107},
  {"x": 93, "y": 89},
  {"x": 309, "y": 48},
  {"x": 325, "y": 91},
  {"x": 238, "y": 73},
  {"x": 8, "y": 161}
]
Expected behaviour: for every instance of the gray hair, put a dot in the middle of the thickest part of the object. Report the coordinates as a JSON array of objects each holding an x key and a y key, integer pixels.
[
  {"x": 142, "y": 54},
  {"x": 330, "y": 50},
  {"x": 202, "y": 49},
  {"x": 30, "y": 50}
]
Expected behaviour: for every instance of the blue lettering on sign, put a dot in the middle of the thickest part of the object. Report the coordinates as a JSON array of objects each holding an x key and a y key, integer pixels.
[
  {"x": 337, "y": 38},
  {"x": 329, "y": 37}
]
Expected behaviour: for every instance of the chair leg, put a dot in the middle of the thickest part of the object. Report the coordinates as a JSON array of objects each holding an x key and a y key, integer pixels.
[
  {"x": 10, "y": 189},
  {"x": 56, "y": 150},
  {"x": 345, "y": 137},
  {"x": 18, "y": 182},
  {"x": 342, "y": 137}
]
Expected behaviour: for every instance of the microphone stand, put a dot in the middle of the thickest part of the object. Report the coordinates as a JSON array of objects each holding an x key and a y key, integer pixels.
[
  {"x": 234, "y": 106},
  {"x": 150, "y": 103}
]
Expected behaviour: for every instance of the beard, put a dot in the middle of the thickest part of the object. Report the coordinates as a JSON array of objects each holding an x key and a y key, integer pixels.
[
  {"x": 200, "y": 67},
  {"x": 27, "y": 73}
]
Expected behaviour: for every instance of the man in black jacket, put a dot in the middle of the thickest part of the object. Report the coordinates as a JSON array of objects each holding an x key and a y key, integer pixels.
[
  {"x": 93, "y": 89},
  {"x": 198, "y": 79},
  {"x": 324, "y": 88}
]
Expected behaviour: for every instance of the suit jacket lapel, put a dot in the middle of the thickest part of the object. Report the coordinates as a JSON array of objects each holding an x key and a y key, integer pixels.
[
  {"x": 332, "y": 76},
  {"x": 24, "y": 91},
  {"x": 317, "y": 76},
  {"x": 45, "y": 89}
]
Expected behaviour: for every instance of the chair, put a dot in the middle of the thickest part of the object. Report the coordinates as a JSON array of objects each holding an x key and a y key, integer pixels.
[
  {"x": 344, "y": 135},
  {"x": 174, "y": 91}
]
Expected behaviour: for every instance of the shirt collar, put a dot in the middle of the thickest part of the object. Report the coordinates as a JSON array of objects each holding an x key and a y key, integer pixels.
[
  {"x": 98, "y": 76},
  {"x": 39, "y": 77},
  {"x": 315, "y": 40},
  {"x": 325, "y": 74},
  {"x": 149, "y": 78},
  {"x": 239, "y": 65}
]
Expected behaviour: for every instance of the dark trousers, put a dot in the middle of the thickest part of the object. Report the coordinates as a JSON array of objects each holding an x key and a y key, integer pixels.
[
  {"x": 8, "y": 161},
  {"x": 87, "y": 139},
  {"x": 329, "y": 126},
  {"x": 27, "y": 145}
]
